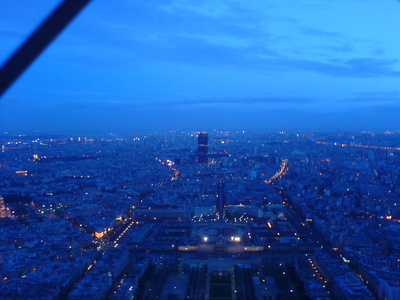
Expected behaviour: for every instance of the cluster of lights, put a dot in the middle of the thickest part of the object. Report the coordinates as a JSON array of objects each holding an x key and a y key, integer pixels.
[
  {"x": 359, "y": 146},
  {"x": 100, "y": 234},
  {"x": 170, "y": 164},
  {"x": 24, "y": 173},
  {"x": 124, "y": 232},
  {"x": 284, "y": 168},
  {"x": 317, "y": 273},
  {"x": 235, "y": 239}
]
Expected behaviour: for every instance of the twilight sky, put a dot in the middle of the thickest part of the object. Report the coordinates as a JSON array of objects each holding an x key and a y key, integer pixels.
[{"x": 129, "y": 65}]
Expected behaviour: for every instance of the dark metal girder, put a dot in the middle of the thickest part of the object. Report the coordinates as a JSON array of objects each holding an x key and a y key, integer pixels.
[{"x": 38, "y": 41}]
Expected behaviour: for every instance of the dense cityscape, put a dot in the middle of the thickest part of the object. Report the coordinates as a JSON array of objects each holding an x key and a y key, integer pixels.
[
  {"x": 300, "y": 203},
  {"x": 196, "y": 215}
]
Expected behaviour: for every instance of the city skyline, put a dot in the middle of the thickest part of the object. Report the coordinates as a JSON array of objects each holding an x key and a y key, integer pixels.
[
  {"x": 293, "y": 216},
  {"x": 182, "y": 66}
]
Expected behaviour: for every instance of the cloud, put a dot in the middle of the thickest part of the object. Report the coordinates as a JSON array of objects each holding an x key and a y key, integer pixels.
[
  {"x": 237, "y": 35},
  {"x": 225, "y": 50},
  {"x": 373, "y": 67},
  {"x": 387, "y": 97},
  {"x": 344, "y": 48},
  {"x": 246, "y": 100},
  {"x": 356, "y": 68},
  {"x": 316, "y": 32}
]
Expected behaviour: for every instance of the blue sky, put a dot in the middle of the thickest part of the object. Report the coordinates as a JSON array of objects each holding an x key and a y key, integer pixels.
[{"x": 196, "y": 65}]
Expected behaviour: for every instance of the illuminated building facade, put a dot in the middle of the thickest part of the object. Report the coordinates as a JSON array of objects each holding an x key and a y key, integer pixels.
[
  {"x": 222, "y": 238},
  {"x": 202, "y": 150}
]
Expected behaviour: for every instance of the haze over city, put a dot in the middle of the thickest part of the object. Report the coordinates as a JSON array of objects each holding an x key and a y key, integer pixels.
[{"x": 129, "y": 65}]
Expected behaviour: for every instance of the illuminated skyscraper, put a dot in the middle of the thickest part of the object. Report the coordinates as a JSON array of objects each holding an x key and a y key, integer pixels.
[
  {"x": 202, "y": 150},
  {"x": 220, "y": 198}
]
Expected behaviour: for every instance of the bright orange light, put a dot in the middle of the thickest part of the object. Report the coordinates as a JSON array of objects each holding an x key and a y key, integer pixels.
[{"x": 99, "y": 235}]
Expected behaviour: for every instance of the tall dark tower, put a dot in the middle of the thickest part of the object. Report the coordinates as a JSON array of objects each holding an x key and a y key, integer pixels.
[
  {"x": 220, "y": 198},
  {"x": 202, "y": 150}
]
